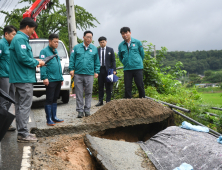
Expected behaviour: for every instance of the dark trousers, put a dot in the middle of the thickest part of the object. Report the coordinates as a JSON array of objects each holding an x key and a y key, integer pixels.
[
  {"x": 102, "y": 81},
  {"x": 138, "y": 78},
  {"x": 52, "y": 92}
]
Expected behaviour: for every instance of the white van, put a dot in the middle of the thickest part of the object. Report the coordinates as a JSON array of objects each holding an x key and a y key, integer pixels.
[{"x": 38, "y": 87}]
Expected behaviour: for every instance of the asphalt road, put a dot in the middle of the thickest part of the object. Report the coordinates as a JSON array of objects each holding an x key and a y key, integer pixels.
[{"x": 12, "y": 152}]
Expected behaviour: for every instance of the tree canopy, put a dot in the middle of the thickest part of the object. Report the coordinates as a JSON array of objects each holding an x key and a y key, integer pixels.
[
  {"x": 195, "y": 62},
  {"x": 52, "y": 20}
]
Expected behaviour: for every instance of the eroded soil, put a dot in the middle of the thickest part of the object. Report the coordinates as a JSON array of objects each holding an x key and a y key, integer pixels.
[
  {"x": 125, "y": 109},
  {"x": 62, "y": 152},
  {"x": 70, "y": 152}
]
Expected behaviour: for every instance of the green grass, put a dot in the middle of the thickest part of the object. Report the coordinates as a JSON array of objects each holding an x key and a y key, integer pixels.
[
  {"x": 210, "y": 89},
  {"x": 212, "y": 98}
]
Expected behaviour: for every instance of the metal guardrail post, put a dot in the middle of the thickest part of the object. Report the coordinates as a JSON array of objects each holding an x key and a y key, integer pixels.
[
  {"x": 118, "y": 68},
  {"x": 212, "y": 114},
  {"x": 194, "y": 121},
  {"x": 170, "y": 105},
  {"x": 212, "y": 132},
  {"x": 216, "y": 108}
]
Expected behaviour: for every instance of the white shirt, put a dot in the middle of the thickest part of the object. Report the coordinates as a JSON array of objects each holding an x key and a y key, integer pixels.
[
  {"x": 129, "y": 43},
  {"x": 101, "y": 54},
  {"x": 85, "y": 46}
]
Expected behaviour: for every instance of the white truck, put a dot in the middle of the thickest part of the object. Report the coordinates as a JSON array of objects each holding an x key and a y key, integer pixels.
[{"x": 38, "y": 87}]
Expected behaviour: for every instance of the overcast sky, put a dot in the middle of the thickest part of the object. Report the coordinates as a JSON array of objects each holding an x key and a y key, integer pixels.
[{"x": 187, "y": 25}]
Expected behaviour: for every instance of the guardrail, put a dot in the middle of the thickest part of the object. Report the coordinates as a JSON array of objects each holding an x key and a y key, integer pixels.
[
  {"x": 216, "y": 108},
  {"x": 118, "y": 68},
  {"x": 212, "y": 132},
  {"x": 170, "y": 105},
  {"x": 212, "y": 114}
]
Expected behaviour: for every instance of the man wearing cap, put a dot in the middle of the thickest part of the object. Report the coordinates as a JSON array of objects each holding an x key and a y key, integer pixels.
[
  {"x": 84, "y": 60},
  {"x": 107, "y": 61},
  {"x": 9, "y": 33},
  {"x": 131, "y": 54},
  {"x": 22, "y": 75}
]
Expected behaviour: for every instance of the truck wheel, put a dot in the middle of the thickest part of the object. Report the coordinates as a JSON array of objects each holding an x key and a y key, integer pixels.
[{"x": 65, "y": 96}]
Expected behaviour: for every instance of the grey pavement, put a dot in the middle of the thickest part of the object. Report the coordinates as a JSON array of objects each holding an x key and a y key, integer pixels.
[
  {"x": 114, "y": 155},
  {"x": 10, "y": 150},
  {"x": 64, "y": 111}
]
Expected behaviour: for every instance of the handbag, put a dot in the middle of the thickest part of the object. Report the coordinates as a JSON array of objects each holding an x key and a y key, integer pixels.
[{"x": 111, "y": 78}]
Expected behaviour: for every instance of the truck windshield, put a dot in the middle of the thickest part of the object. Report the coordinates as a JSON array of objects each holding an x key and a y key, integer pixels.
[{"x": 37, "y": 46}]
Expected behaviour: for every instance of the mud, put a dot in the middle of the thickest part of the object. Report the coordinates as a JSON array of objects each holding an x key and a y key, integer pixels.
[
  {"x": 117, "y": 113},
  {"x": 129, "y": 109},
  {"x": 63, "y": 152},
  {"x": 129, "y": 120}
]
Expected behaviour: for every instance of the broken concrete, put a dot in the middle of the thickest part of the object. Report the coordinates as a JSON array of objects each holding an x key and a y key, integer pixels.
[
  {"x": 117, "y": 113},
  {"x": 113, "y": 155},
  {"x": 129, "y": 120}
]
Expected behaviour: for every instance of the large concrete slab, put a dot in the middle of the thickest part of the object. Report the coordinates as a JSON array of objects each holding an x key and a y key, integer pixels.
[{"x": 114, "y": 155}]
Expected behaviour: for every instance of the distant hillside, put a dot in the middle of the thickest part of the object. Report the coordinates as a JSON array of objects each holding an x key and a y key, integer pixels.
[{"x": 197, "y": 61}]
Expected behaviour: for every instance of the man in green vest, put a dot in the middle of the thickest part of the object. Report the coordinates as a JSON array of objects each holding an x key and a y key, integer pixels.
[
  {"x": 131, "y": 54},
  {"x": 22, "y": 75},
  {"x": 52, "y": 79},
  {"x": 84, "y": 60},
  {"x": 9, "y": 33}
]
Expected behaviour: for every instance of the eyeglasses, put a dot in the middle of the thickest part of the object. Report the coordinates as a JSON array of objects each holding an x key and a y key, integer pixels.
[{"x": 88, "y": 37}]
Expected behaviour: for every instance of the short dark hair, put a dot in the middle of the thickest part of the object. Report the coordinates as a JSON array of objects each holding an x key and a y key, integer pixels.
[
  {"x": 52, "y": 36},
  {"x": 102, "y": 38},
  {"x": 86, "y": 32},
  {"x": 28, "y": 21},
  {"x": 124, "y": 29},
  {"x": 9, "y": 29}
]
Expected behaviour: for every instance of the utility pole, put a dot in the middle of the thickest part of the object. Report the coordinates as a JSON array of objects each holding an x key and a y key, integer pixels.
[
  {"x": 71, "y": 24},
  {"x": 154, "y": 51}
]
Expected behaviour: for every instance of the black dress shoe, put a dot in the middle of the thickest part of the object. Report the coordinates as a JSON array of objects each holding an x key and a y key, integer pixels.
[{"x": 99, "y": 104}]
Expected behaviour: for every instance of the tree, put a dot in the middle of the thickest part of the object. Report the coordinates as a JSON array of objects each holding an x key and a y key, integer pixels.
[
  {"x": 208, "y": 73},
  {"x": 194, "y": 79},
  {"x": 52, "y": 20}
]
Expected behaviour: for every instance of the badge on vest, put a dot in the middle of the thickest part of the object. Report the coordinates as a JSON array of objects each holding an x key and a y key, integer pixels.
[
  {"x": 72, "y": 51},
  {"x": 42, "y": 56},
  {"x": 0, "y": 51},
  {"x": 134, "y": 45},
  {"x": 90, "y": 50},
  {"x": 23, "y": 46}
]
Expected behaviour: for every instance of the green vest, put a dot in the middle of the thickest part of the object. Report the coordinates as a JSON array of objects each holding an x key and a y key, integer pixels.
[
  {"x": 132, "y": 56},
  {"x": 84, "y": 61},
  {"x": 22, "y": 64},
  {"x": 53, "y": 70},
  {"x": 4, "y": 58}
]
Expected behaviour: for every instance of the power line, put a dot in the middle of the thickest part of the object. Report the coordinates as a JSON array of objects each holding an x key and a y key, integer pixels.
[
  {"x": 4, "y": 6},
  {"x": 12, "y": 10}
]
